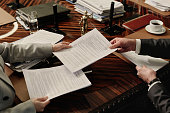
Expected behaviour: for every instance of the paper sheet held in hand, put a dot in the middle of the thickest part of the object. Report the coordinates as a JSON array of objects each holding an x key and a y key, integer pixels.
[
  {"x": 140, "y": 60},
  {"x": 53, "y": 82},
  {"x": 85, "y": 50}
]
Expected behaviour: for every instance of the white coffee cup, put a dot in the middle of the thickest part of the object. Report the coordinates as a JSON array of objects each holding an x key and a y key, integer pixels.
[{"x": 156, "y": 25}]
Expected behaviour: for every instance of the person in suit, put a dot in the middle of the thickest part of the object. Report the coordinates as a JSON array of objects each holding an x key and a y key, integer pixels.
[
  {"x": 157, "y": 48},
  {"x": 17, "y": 53}
]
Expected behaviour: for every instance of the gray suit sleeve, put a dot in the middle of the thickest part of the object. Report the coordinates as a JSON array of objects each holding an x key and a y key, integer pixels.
[
  {"x": 24, "y": 52},
  {"x": 160, "y": 98},
  {"x": 156, "y": 48},
  {"x": 25, "y": 107}
]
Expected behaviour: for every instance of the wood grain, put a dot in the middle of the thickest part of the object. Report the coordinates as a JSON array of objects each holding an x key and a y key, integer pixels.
[{"x": 113, "y": 80}]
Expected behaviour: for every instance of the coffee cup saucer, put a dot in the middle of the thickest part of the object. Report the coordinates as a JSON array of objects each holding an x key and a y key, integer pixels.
[{"x": 147, "y": 28}]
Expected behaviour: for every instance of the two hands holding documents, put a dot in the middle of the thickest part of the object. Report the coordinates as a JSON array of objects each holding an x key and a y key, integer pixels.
[
  {"x": 125, "y": 45},
  {"x": 157, "y": 91},
  {"x": 68, "y": 77},
  {"x": 40, "y": 103}
]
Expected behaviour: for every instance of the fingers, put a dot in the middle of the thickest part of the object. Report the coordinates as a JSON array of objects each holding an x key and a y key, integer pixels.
[
  {"x": 45, "y": 103},
  {"x": 114, "y": 40},
  {"x": 60, "y": 46},
  {"x": 144, "y": 66},
  {"x": 40, "y": 103},
  {"x": 65, "y": 45},
  {"x": 140, "y": 70},
  {"x": 115, "y": 45},
  {"x": 121, "y": 50},
  {"x": 63, "y": 42},
  {"x": 42, "y": 99},
  {"x": 139, "y": 67}
]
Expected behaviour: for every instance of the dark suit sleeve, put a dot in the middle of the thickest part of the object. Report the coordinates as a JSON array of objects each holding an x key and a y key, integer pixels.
[
  {"x": 156, "y": 48},
  {"x": 160, "y": 98}
]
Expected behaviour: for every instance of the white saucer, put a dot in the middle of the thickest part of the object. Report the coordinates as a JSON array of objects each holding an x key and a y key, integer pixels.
[{"x": 147, "y": 28}]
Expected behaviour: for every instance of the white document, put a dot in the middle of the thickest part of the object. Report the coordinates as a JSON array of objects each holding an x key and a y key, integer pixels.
[
  {"x": 41, "y": 36},
  {"x": 85, "y": 50},
  {"x": 140, "y": 60},
  {"x": 163, "y": 5},
  {"x": 53, "y": 82},
  {"x": 99, "y": 6}
]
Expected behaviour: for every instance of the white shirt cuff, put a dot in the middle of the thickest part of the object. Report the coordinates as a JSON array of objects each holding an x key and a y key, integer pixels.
[
  {"x": 153, "y": 84},
  {"x": 138, "y": 46}
]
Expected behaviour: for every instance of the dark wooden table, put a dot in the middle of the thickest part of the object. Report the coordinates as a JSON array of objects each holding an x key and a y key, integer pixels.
[{"x": 113, "y": 80}]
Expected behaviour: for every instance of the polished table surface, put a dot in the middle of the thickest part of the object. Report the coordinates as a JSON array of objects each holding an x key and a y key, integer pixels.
[
  {"x": 113, "y": 80},
  {"x": 143, "y": 34}
]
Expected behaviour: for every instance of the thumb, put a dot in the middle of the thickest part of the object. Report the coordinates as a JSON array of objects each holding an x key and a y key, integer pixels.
[
  {"x": 115, "y": 45},
  {"x": 45, "y": 103},
  {"x": 138, "y": 67},
  {"x": 121, "y": 50},
  {"x": 63, "y": 42},
  {"x": 113, "y": 41},
  {"x": 65, "y": 46}
]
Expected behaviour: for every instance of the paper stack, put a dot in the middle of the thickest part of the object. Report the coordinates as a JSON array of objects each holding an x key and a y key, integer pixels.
[
  {"x": 163, "y": 5},
  {"x": 99, "y": 8}
]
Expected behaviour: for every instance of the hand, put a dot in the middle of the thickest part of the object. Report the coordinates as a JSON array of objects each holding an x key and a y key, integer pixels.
[
  {"x": 40, "y": 103},
  {"x": 123, "y": 44},
  {"x": 145, "y": 73},
  {"x": 60, "y": 46}
]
